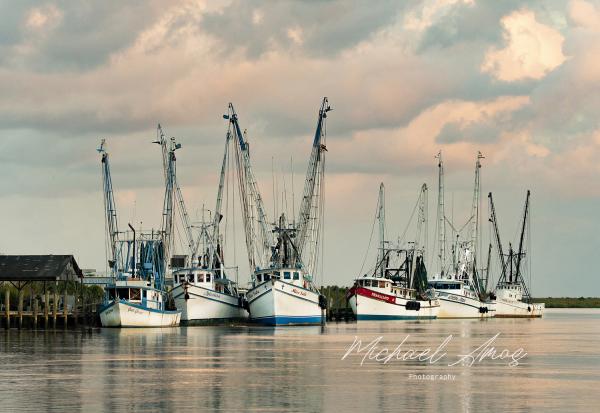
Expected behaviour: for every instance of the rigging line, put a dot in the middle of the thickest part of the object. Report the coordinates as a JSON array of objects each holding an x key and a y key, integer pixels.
[
  {"x": 293, "y": 196},
  {"x": 401, "y": 239},
  {"x": 370, "y": 239}
]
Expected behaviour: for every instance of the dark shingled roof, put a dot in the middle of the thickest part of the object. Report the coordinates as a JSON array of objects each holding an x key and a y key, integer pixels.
[{"x": 38, "y": 268}]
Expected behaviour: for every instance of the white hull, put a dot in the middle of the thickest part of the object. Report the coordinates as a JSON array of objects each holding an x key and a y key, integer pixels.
[
  {"x": 456, "y": 306},
  {"x": 370, "y": 308},
  {"x": 279, "y": 303},
  {"x": 518, "y": 309},
  {"x": 204, "y": 305},
  {"x": 123, "y": 314}
]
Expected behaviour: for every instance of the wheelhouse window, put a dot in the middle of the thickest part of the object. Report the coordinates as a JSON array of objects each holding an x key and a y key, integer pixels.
[
  {"x": 190, "y": 278},
  {"x": 296, "y": 275},
  {"x": 207, "y": 278},
  {"x": 259, "y": 278},
  {"x": 267, "y": 277},
  {"x": 287, "y": 275},
  {"x": 381, "y": 284},
  {"x": 200, "y": 278}
]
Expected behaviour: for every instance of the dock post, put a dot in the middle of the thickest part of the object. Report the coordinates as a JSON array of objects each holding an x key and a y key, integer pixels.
[
  {"x": 65, "y": 307},
  {"x": 55, "y": 309},
  {"x": 46, "y": 303},
  {"x": 35, "y": 312},
  {"x": 7, "y": 306},
  {"x": 20, "y": 307}
]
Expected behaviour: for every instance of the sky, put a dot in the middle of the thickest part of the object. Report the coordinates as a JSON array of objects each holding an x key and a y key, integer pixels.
[{"x": 517, "y": 80}]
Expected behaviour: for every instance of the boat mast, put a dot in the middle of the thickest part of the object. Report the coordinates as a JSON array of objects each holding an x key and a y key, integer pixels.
[
  {"x": 475, "y": 211},
  {"x": 109, "y": 208},
  {"x": 167, "y": 215},
  {"x": 214, "y": 257},
  {"x": 187, "y": 225},
  {"x": 258, "y": 245},
  {"x": 441, "y": 219},
  {"x": 494, "y": 223},
  {"x": 381, "y": 218},
  {"x": 420, "y": 244},
  {"x": 311, "y": 206},
  {"x": 521, "y": 253}
]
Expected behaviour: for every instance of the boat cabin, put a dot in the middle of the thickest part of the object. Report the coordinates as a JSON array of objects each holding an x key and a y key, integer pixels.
[
  {"x": 386, "y": 286},
  {"x": 455, "y": 287},
  {"x": 204, "y": 279},
  {"x": 136, "y": 292},
  {"x": 509, "y": 291},
  {"x": 292, "y": 276}
]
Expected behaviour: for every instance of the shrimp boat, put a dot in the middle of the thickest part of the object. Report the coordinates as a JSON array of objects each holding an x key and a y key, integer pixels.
[
  {"x": 283, "y": 256},
  {"x": 284, "y": 294},
  {"x": 397, "y": 288},
  {"x": 459, "y": 289},
  {"x": 202, "y": 291},
  {"x": 137, "y": 296},
  {"x": 513, "y": 299}
]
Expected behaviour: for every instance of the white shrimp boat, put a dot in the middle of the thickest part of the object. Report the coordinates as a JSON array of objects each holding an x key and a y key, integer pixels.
[
  {"x": 510, "y": 304},
  {"x": 458, "y": 300},
  {"x": 202, "y": 297},
  {"x": 513, "y": 299},
  {"x": 133, "y": 303},
  {"x": 457, "y": 285},
  {"x": 282, "y": 256},
  {"x": 138, "y": 295},
  {"x": 284, "y": 296}
]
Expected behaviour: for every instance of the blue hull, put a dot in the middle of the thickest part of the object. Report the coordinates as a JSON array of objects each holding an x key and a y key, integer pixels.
[
  {"x": 375, "y": 317},
  {"x": 288, "y": 320}
]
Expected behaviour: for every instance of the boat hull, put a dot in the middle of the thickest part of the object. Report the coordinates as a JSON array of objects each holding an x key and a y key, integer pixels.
[
  {"x": 278, "y": 303},
  {"x": 370, "y": 305},
  {"x": 204, "y": 305},
  {"x": 124, "y": 314},
  {"x": 518, "y": 309},
  {"x": 456, "y": 306}
]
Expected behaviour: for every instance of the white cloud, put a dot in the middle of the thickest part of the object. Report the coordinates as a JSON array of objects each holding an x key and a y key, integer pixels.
[
  {"x": 532, "y": 49},
  {"x": 584, "y": 14},
  {"x": 40, "y": 18}
]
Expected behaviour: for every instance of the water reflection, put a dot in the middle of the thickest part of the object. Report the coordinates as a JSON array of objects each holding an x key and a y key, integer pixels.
[{"x": 261, "y": 368}]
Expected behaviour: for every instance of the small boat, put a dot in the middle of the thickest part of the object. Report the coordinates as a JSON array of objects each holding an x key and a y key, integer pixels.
[
  {"x": 397, "y": 288},
  {"x": 137, "y": 296},
  {"x": 513, "y": 299}
]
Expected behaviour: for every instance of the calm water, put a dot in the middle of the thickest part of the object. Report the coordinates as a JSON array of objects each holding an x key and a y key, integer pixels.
[{"x": 240, "y": 368}]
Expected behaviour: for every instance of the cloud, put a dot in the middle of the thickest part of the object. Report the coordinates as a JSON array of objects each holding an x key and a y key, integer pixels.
[
  {"x": 532, "y": 49},
  {"x": 405, "y": 80}
]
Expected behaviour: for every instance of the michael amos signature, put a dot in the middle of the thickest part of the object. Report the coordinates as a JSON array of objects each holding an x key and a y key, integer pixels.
[{"x": 381, "y": 354}]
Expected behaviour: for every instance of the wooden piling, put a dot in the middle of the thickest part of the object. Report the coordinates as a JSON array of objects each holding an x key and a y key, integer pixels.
[
  {"x": 7, "y": 306},
  {"x": 65, "y": 308},
  {"x": 20, "y": 307},
  {"x": 35, "y": 312},
  {"x": 55, "y": 309},
  {"x": 46, "y": 304}
]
